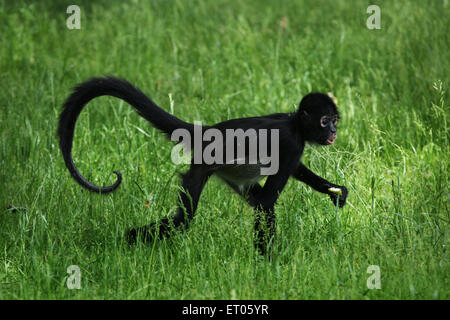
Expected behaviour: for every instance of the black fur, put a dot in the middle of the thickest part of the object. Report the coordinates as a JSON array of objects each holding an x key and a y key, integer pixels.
[
  {"x": 122, "y": 89},
  {"x": 295, "y": 129}
]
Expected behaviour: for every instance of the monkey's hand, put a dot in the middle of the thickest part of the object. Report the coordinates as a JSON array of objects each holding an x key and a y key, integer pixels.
[{"x": 338, "y": 192}]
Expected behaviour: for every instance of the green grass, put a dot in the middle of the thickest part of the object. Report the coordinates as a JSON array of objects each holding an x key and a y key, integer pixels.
[{"x": 220, "y": 60}]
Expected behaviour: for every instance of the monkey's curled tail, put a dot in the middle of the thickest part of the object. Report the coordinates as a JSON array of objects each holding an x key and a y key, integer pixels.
[{"x": 122, "y": 89}]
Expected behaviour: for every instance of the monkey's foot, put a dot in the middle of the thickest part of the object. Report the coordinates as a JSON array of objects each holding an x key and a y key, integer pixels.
[
  {"x": 144, "y": 234},
  {"x": 151, "y": 232}
]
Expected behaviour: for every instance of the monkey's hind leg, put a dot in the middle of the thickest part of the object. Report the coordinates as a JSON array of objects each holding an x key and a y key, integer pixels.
[
  {"x": 264, "y": 230},
  {"x": 193, "y": 182},
  {"x": 264, "y": 216}
]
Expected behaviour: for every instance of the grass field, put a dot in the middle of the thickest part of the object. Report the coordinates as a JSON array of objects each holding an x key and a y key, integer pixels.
[{"x": 219, "y": 60}]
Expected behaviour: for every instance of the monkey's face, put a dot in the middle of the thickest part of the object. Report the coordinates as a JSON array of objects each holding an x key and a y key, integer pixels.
[
  {"x": 321, "y": 130},
  {"x": 327, "y": 129},
  {"x": 318, "y": 119}
]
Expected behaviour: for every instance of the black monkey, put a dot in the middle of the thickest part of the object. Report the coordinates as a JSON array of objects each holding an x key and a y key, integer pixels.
[{"x": 315, "y": 121}]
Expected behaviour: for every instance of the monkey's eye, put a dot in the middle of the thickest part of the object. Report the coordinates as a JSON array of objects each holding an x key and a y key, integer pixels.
[
  {"x": 324, "y": 121},
  {"x": 335, "y": 121}
]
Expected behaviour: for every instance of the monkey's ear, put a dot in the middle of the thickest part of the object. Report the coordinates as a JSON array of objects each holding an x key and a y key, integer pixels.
[{"x": 304, "y": 115}]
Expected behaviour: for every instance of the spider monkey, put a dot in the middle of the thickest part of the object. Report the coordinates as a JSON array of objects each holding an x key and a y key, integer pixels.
[{"x": 315, "y": 121}]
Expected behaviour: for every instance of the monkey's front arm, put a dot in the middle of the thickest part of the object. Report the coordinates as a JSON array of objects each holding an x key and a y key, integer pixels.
[{"x": 320, "y": 184}]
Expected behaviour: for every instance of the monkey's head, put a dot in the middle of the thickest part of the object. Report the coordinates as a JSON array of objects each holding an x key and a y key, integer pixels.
[{"x": 318, "y": 117}]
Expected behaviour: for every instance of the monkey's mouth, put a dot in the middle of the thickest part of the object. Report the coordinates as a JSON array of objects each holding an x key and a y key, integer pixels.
[{"x": 331, "y": 139}]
